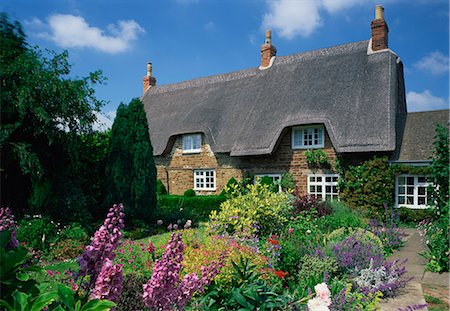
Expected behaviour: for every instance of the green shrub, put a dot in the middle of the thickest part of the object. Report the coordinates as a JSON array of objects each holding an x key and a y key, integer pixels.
[
  {"x": 74, "y": 232},
  {"x": 414, "y": 216},
  {"x": 131, "y": 295},
  {"x": 232, "y": 182},
  {"x": 312, "y": 267},
  {"x": 368, "y": 186},
  {"x": 189, "y": 193},
  {"x": 37, "y": 233},
  {"x": 172, "y": 208},
  {"x": 260, "y": 210},
  {"x": 317, "y": 158},
  {"x": 287, "y": 182},
  {"x": 160, "y": 188},
  {"x": 342, "y": 216},
  {"x": 360, "y": 234}
]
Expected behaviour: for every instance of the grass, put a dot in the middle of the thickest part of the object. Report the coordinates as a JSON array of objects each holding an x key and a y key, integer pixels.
[{"x": 436, "y": 304}]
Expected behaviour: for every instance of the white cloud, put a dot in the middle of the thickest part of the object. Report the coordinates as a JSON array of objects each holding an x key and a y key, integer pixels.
[
  {"x": 104, "y": 120},
  {"x": 69, "y": 31},
  {"x": 425, "y": 101},
  {"x": 291, "y": 18},
  {"x": 435, "y": 62}
]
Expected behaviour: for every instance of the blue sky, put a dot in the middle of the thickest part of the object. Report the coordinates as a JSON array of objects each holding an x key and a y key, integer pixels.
[{"x": 185, "y": 39}]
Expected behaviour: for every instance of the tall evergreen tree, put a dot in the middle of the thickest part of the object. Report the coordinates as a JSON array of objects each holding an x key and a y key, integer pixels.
[{"x": 130, "y": 169}]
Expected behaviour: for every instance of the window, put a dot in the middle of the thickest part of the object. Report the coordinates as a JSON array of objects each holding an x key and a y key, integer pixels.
[
  {"x": 411, "y": 190},
  {"x": 323, "y": 186},
  {"x": 308, "y": 137},
  {"x": 275, "y": 177},
  {"x": 205, "y": 180},
  {"x": 192, "y": 143}
]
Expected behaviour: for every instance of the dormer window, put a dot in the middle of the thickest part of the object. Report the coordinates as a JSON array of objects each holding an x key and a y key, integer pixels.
[
  {"x": 308, "y": 137},
  {"x": 192, "y": 143}
]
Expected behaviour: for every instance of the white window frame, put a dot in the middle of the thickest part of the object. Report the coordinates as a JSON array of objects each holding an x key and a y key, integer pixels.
[
  {"x": 323, "y": 183},
  {"x": 415, "y": 189},
  {"x": 300, "y": 131},
  {"x": 188, "y": 143},
  {"x": 200, "y": 180}
]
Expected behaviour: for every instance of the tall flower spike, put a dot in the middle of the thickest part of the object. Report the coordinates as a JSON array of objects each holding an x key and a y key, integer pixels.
[
  {"x": 105, "y": 241},
  {"x": 109, "y": 282},
  {"x": 7, "y": 223}
]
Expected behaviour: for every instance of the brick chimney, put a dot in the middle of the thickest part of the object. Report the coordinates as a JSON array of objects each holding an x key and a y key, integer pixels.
[
  {"x": 267, "y": 50},
  {"x": 379, "y": 30},
  {"x": 148, "y": 81}
]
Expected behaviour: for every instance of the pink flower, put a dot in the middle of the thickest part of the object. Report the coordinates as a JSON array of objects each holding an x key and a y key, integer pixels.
[
  {"x": 74, "y": 286},
  {"x": 317, "y": 304},
  {"x": 50, "y": 273},
  {"x": 109, "y": 282},
  {"x": 323, "y": 293},
  {"x": 291, "y": 231}
]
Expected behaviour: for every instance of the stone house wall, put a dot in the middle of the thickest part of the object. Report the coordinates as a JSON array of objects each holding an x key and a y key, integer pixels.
[{"x": 176, "y": 170}]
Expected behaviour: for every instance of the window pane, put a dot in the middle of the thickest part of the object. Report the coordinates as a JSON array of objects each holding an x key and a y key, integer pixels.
[
  {"x": 401, "y": 200},
  {"x": 319, "y": 189},
  {"x": 421, "y": 190},
  {"x": 319, "y": 179},
  {"x": 328, "y": 179},
  {"x": 312, "y": 189},
  {"x": 401, "y": 180},
  {"x": 421, "y": 179},
  {"x": 410, "y": 180},
  {"x": 421, "y": 201},
  {"x": 335, "y": 189},
  {"x": 401, "y": 190},
  {"x": 410, "y": 200},
  {"x": 410, "y": 190},
  {"x": 312, "y": 178},
  {"x": 335, "y": 178},
  {"x": 327, "y": 189}
]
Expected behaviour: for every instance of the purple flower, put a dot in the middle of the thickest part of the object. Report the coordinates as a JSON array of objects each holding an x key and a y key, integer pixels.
[
  {"x": 109, "y": 282},
  {"x": 105, "y": 241},
  {"x": 7, "y": 223},
  {"x": 165, "y": 290}
]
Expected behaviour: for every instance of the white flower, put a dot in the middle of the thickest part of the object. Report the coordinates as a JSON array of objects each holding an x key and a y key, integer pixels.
[
  {"x": 317, "y": 304},
  {"x": 323, "y": 292},
  {"x": 308, "y": 231}
]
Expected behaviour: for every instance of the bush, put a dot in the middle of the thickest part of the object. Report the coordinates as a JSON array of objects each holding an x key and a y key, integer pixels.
[
  {"x": 307, "y": 203},
  {"x": 414, "y": 216},
  {"x": 341, "y": 217},
  {"x": 37, "y": 232},
  {"x": 259, "y": 211},
  {"x": 67, "y": 249},
  {"x": 131, "y": 295},
  {"x": 339, "y": 235},
  {"x": 160, "y": 188},
  {"x": 313, "y": 266},
  {"x": 189, "y": 193},
  {"x": 172, "y": 208},
  {"x": 74, "y": 232},
  {"x": 287, "y": 182},
  {"x": 317, "y": 158},
  {"x": 368, "y": 186}
]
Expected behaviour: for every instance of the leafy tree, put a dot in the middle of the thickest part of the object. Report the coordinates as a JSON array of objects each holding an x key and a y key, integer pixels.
[
  {"x": 44, "y": 112},
  {"x": 130, "y": 169},
  {"x": 439, "y": 194}
]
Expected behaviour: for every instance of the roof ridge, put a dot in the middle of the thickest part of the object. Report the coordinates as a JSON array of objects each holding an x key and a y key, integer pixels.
[{"x": 249, "y": 72}]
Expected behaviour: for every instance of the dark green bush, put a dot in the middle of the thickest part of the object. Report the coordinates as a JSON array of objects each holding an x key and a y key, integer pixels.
[
  {"x": 131, "y": 295},
  {"x": 189, "y": 193},
  {"x": 37, "y": 233},
  {"x": 74, "y": 232},
  {"x": 160, "y": 188},
  {"x": 414, "y": 216},
  {"x": 312, "y": 266},
  {"x": 342, "y": 216},
  {"x": 172, "y": 208}
]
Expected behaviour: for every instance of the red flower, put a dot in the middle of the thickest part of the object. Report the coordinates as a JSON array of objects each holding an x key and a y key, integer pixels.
[
  {"x": 273, "y": 240},
  {"x": 281, "y": 274}
]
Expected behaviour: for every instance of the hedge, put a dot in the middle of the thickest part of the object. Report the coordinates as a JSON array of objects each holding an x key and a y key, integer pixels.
[{"x": 172, "y": 208}]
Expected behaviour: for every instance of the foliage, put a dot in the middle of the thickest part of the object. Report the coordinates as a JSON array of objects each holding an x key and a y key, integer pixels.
[
  {"x": 387, "y": 278},
  {"x": 160, "y": 188},
  {"x": 249, "y": 292},
  {"x": 409, "y": 216},
  {"x": 174, "y": 208},
  {"x": 67, "y": 249},
  {"x": 342, "y": 217},
  {"x": 308, "y": 203},
  {"x": 130, "y": 169},
  {"x": 438, "y": 231},
  {"x": 74, "y": 232},
  {"x": 437, "y": 241},
  {"x": 287, "y": 182},
  {"x": 387, "y": 231},
  {"x": 317, "y": 158},
  {"x": 165, "y": 290},
  {"x": 260, "y": 210},
  {"x": 367, "y": 186},
  {"x": 131, "y": 296},
  {"x": 340, "y": 234},
  {"x": 44, "y": 113},
  {"x": 136, "y": 258},
  {"x": 266, "y": 180},
  {"x": 235, "y": 188},
  {"x": 189, "y": 193},
  {"x": 37, "y": 232},
  {"x": 314, "y": 266},
  {"x": 347, "y": 299},
  {"x": 355, "y": 252}
]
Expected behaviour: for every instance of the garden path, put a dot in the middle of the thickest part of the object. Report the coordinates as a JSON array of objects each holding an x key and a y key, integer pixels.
[{"x": 413, "y": 293}]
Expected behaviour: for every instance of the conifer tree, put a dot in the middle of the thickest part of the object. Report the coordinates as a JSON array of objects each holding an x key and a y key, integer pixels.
[{"x": 130, "y": 169}]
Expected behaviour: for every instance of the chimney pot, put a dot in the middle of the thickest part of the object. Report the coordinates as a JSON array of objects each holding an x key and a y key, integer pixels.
[
  {"x": 148, "y": 81},
  {"x": 149, "y": 69},
  {"x": 268, "y": 36},
  {"x": 379, "y": 12}
]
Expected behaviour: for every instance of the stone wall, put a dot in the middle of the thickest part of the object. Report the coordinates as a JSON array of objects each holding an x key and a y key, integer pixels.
[{"x": 176, "y": 170}]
